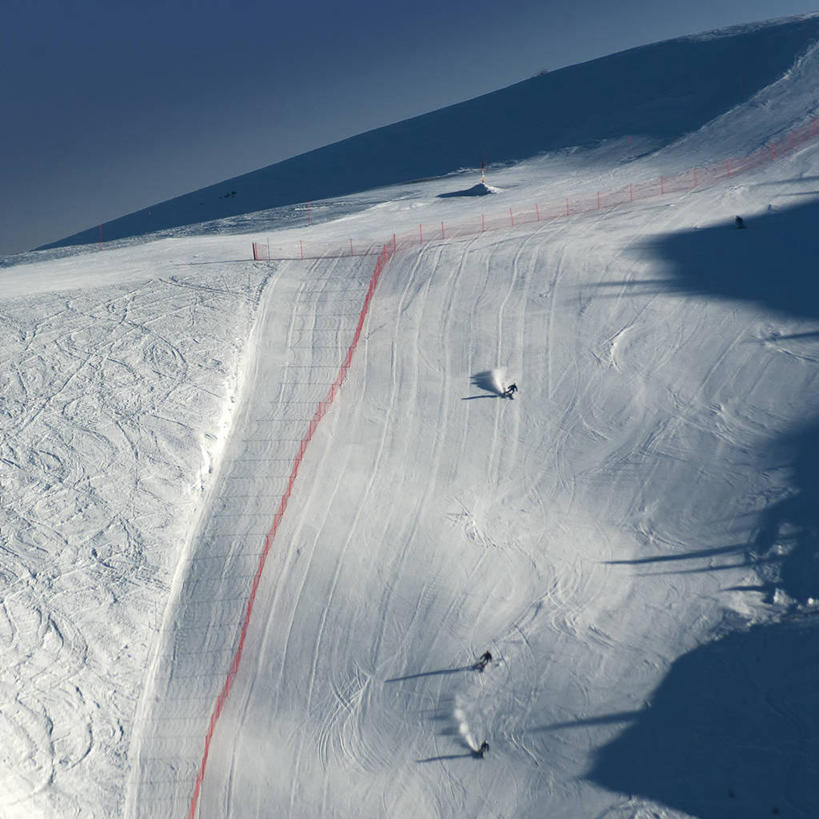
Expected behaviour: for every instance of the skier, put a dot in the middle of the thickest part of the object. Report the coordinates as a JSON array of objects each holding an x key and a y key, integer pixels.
[
  {"x": 509, "y": 391},
  {"x": 739, "y": 222},
  {"x": 482, "y": 750},
  {"x": 483, "y": 661}
]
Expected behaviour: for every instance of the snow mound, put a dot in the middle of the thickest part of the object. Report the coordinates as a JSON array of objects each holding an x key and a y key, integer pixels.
[{"x": 481, "y": 189}]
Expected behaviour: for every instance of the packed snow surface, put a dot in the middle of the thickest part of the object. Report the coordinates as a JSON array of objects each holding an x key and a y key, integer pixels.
[{"x": 633, "y": 537}]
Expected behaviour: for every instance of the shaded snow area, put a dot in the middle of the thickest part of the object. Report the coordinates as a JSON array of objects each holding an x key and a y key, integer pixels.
[{"x": 633, "y": 537}]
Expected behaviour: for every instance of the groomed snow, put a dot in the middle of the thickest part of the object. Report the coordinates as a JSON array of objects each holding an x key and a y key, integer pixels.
[{"x": 632, "y": 537}]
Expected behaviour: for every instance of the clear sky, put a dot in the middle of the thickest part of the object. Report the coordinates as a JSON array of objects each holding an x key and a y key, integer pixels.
[{"x": 112, "y": 105}]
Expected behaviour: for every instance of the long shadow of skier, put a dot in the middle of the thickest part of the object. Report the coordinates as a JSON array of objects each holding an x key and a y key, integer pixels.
[
  {"x": 446, "y": 757},
  {"x": 436, "y": 673},
  {"x": 489, "y": 382},
  {"x": 471, "y": 753}
]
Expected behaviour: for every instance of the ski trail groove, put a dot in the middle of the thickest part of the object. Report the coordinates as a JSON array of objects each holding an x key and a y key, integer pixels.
[{"x": 306, "y": 439}]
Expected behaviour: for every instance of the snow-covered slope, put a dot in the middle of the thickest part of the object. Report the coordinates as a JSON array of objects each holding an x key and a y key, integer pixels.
[
  {"x": 653, "y": 95},
  {"x": 118, "y": 381},
  {"x": 633, "y": 537}
]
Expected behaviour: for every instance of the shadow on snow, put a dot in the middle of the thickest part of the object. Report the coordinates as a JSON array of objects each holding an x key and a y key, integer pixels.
[
  {"x": 488, "y": 381},
  {"x": 733, "y": 729},
  {"x": 436, "y": 673}
]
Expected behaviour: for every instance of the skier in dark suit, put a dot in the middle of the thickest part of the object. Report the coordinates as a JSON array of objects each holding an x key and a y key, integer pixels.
[{"x": 483, "y": 661}]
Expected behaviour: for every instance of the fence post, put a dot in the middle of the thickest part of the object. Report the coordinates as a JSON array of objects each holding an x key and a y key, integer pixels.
[
  {"x": 537, "y": 211},
  {"x": 351, "y": 248},
  {"x": 631, "y": 193},
  {"x": 301, "y": 249},
  {"x": 511, "y": 218},
  {"x": 483, "y": 223},
  {"x": 567, "y": 206},
  {"x": 443, "y": 236},
  {"x": 420, "y": 234},
  {"x": 394, "y": 244}
]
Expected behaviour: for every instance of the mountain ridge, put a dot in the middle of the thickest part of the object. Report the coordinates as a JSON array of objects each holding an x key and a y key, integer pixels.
[{"x": 654, "y": 91}]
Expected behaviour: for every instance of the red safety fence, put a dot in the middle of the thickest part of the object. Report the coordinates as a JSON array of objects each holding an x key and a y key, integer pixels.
[
  {"x": 699, "y": 177},
  {"x": 321, "y": 410}
]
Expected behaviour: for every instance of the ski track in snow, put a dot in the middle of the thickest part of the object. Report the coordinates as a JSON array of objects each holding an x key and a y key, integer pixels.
[{"x": 105, "y": 398}]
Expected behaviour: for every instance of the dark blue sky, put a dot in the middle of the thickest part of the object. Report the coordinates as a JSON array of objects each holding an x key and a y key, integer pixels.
[{"x": 112, "y": 106}]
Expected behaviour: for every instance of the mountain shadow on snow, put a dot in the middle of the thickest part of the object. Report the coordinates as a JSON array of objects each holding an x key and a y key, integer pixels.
[
  {"x": 731, "y": 733},
  {"x": 787, "y": 539},
  {"x": 733, "y": 730},
  {"x": 772, "y": 263}
]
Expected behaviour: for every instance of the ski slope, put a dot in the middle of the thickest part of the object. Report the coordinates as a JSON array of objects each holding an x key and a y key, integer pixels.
[{"x": 633, "y": 537}]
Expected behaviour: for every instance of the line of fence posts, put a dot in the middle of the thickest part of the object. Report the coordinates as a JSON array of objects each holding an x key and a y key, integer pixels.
[{"x": 769, "y": 152}]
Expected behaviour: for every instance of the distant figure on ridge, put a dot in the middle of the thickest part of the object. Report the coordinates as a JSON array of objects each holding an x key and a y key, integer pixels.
[
  {"x": 483, "y": 661},
  {"x": 739, "y": 222}
]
